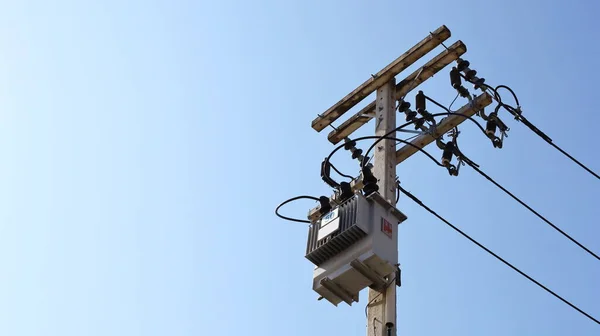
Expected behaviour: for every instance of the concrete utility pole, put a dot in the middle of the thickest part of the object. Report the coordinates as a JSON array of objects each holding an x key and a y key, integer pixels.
[
  {"x": 381, "y": 312},
  {"x": 381, "y": 304}
]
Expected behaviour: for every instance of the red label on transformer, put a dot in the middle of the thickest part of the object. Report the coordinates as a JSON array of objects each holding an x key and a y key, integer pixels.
[{"x": 386, "y": 227}]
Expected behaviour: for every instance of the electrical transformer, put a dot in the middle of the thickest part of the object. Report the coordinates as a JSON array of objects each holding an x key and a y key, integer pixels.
[{"x": 354, "y": 246}]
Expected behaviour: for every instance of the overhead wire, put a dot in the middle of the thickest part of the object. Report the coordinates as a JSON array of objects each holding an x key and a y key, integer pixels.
[
  {"x": 449, "y": 113},
  {"x": 566, "y": 235},
  {"x": 340, "y": 173},
  {"x": 379, "y": 138},
  {"x": 472, "y": 165},
  {"x": 519, "y": 117},
  {"x": 328, "y": 159},
  {"x": 428, "y": 209},
  {"x": 291, "y": 200}
]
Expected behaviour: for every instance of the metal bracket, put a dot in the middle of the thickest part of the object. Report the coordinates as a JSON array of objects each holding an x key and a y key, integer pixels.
[
  {"x": 338, "y": 291},
  {"x": 379, "y": 282}
]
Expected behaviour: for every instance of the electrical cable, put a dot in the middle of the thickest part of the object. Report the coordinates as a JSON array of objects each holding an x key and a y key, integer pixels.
[
  {"x": 419, "y": 202},
  {"x": 380, "y": 293},
  {"x": 453, "y": 100},
  {"x": 566, "y": 235},
  {"x": 573, "y": 159},
  {"x": 379, "y": 138},
  {"x": 291, "y": 200},
  {"x": 517, "y": 114},
  {"x": 412, "y": 122},
  {"x": 510, "y": 90},
  {"x": 340, "y": 173},
  {"x": 329, "y": 158},
  {"x": 448, "y": 110}
]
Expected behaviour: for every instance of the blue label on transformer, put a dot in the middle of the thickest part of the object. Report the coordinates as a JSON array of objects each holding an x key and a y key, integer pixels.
[{"x": 328, "y": 217}]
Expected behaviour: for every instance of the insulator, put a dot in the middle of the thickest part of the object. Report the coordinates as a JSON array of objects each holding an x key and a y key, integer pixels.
[
  {"x": 410, "y": 116},
  {"x": 404, "y": 106},
  {"x": 326, "y": 174},
  {"x": 356, "y": 153},
  {"x": 478, "y": 83},
  {"x": 420, "y": 102},
  {"x": 369, "y": 182},
  {"x": 463, "y": 92},
  {"x": 448, "y": 152},
  {"x": 345, "y": 191},
  {"x": 349, "y": 145},
  {"x": 490, "y": 128},
  {"x": 462, "y": 64},
  {"x": 427, "y": 116},
  {"x": 455, "y": 78},
  {"x": 452, "y": 170},
  {"x": 418, "y": 123},
  {"x": 469, "y": 74},
  {"x": 325, "y": 206}
]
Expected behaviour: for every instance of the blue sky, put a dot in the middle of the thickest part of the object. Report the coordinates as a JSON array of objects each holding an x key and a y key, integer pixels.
[{"x": 146, "y": 144}]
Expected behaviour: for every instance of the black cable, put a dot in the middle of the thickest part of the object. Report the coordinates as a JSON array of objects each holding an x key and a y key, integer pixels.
[
  {"x": 416, "y": 200},
  {"x": 573, "y": 159},
  {"x": 533, "y": 211},
  {"x": 448, "y": 110},
  {"x": 340, "y": 173},
  {"x": 532, "y": 127},
  {"x": 380, "y": 293},
  {"x": 364, "y": 163},
  {"x": 379, "y": 138},
  {"x": 510, "y": 90},
  {"x": 291, "y": 200}
]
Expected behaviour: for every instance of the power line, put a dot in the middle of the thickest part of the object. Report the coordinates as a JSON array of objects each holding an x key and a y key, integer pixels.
[
  {"x": 416, "y": 200},
  {"x": 340, "y": 173},
  {"x": 519, "y": 117},
  {"x": 531, "y": 209},
  {"x": 573, "y": 159},
  {"x": 548, "y": 139},
  {"x": 291, "y": 200}
]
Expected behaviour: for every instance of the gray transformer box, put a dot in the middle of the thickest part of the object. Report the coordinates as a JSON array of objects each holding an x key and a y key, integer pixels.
[{"x": 354, "y": 246}]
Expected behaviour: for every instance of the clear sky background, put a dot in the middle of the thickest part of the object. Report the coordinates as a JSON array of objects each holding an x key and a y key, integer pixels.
[{"x": 145, "y": 145}]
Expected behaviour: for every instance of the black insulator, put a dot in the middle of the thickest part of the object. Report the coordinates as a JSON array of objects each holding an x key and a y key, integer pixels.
[
  {"x": 419, "y": 123},
  {"x": 452, "y": 170},
  {"x": 356, "y": 153},
  {"x": 349, "y": 145},
  {"x": 369, "y": 182},
  {"x": 462, "y": 64},
  {"x": 455, "y": 78},
  {"x": 420, "y": 102},
  {"x": 479, "y": 83},
  {"x": 410, "y": 116},
  {"x": 490, "y": 128},
  {"x": 326, "y": 174},
  {"x": 427, "y": 116},
  {"x": 492, "y": 124},
  {"x": 497, "y": 142},
  {"x": 404, "y": 106},
  {"x": 325, "y": 206},
  {"x": 470, "y": 74},
  {"x": 345, "y": 191},
  {"x": 448, "y": 152},
  {"x": 463, "y": 92}
]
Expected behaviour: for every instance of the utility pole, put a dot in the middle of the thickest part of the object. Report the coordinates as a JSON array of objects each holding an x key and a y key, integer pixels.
[
  {"x": 381, "y": 312},
  {"x": 344, "y": 274}
]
